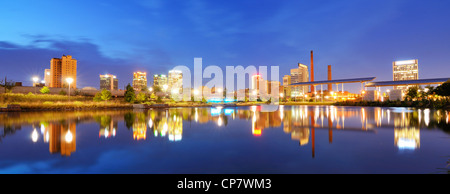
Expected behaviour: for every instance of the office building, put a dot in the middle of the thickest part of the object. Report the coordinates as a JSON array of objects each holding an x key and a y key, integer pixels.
[
  {"x": 175, "y": 81},
  {"x": 286, "y": 86},
  {"x": 298, "y": 75},
  {"x": 109, "y": 82},
  {"x": 61, "y": 69},
  {"x": 139, "y": 81},
  {"x": 159, "y": 80},
  {"x": 405, "y": 70}
]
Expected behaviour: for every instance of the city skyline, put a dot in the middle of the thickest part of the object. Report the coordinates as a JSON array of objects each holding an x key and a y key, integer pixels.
[{"x": 367, "y": 37}]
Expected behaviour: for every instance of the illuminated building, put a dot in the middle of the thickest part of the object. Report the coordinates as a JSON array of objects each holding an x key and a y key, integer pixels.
[
  {"x": 61, "y": 69},
  {"x": 159, "y": 80},
  {"x": 139, "y": 81},
  {"x": 286, "y": 87},
  {"x": 298, "y": 75},
  {"x": 109, "y": 82},
  {"x": 175, "y": 81},
  {"x": 47, "y": 77},
  {"x": 405, "y": 70},
  {"x": 62, "y": 138}
]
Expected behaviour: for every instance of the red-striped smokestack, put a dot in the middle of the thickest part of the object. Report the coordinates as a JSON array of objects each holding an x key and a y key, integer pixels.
[
  {"x": 330, "y": 87},
  {"x": 312, "y": 71}
]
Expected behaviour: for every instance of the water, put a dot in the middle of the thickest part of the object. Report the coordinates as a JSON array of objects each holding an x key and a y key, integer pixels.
[{"x": 291, "y": 140}]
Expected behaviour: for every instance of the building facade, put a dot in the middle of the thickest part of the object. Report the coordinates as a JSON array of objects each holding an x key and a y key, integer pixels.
[
  {"x": 299, "y": 74},
  {"x": 175, "y": 81},
  {"x": 405, "y": 70},
  {"x": 139, "y": 81},
  {"x": 60, "y": 70},
  {"x": 159, "y": 80},
  {"x": 109, "y": 82},
  {"x": 286, "y": 86}
]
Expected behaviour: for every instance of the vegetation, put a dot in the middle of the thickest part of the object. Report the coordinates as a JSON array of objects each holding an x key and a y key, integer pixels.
[
  {"x": 106, "y": 95},
  {"x": 424, "y": 103},
  {"x": 141, "y": 97},
  {"x": 8, "y": 86},
  {"x": 45, "y": 90},
  {"x": 130, "y": 96}
]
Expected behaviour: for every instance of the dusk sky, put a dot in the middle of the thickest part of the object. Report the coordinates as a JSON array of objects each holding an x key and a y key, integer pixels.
[{"x": 359, "y": 38}]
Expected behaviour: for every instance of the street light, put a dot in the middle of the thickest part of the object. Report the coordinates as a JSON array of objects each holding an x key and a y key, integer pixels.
[
  {"x": 165, "y": 87},
  {"x": 35, "y": 80},
  {"x": 150, "y": 89},
  {"x": 69, "y": 80}
]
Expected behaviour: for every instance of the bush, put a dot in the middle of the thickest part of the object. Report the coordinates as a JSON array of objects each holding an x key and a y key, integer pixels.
[
  {"x": 98, "y": 97},
  {"x": 130, "y": 96},
  {"x": 45, "y": 90},
  {"x": 62, "y": 92},
  {"x": 106, "y": 95},
  {"x": 141, "y": 97}
]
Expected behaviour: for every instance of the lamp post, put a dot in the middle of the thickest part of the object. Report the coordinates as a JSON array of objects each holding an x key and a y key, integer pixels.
[
  {"x": 69, "y": 80},
  {"x": 35, "y": 80}
]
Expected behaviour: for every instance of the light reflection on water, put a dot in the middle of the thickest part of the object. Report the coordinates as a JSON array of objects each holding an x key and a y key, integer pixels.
[{"x": 304, "y": 124}]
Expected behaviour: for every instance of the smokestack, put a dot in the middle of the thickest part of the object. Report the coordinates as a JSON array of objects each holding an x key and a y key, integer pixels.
[
  {"x": 312, "y": 71},
  {"x": 330, "y": 87}
]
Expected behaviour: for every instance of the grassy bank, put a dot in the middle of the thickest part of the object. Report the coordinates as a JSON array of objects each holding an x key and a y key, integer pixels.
[{"x": 438, "y": 104}]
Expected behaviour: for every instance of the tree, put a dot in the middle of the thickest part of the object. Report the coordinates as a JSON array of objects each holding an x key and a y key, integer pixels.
[
  {"x": 130, "y": 96},
  {"x": 156, "y": 89},
  {"x": 141, "y": 97},
  {"x": 412, "y": 93},
  {"x": 45, "y": 90},
  {"x": 444, "y": 89},
  {"x": 106, "y": 95},
  {"x": 98, "y": 97}
]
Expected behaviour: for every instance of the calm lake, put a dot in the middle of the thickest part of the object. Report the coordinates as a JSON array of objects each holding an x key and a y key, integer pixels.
[{"x": 290, "y": 140}]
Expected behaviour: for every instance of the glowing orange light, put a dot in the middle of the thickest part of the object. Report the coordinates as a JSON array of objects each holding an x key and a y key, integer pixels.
[{"x": 257, "y": 132}]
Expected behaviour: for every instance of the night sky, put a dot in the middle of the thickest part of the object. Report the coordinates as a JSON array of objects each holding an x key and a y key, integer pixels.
[{"x": 359, "y": 38}]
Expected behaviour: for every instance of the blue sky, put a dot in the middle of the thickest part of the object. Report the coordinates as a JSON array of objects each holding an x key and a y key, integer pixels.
[{"x": 358, "y": 38}]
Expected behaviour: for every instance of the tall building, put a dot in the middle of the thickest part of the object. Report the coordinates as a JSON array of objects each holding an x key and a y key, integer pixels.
[
  {"x": 286, "y": 85},
  {"x": 109, "y": 82},
  {"x": 47, "y": 77},
  {"x": 159, "y": 80},
  {"x": 61, "y": 69},
  {"x": 298, "y": 75},
  {"x": 256, "y": 81},
  {"x": 139, "y": 81},
  {"x": 405, "y": 70},
  {"x": 175, "y": 81}
]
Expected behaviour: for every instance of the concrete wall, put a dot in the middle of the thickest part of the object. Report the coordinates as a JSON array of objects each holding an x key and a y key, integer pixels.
[
  {"x": 395, "y": 95},
  {"x": 28, "y": 89}
]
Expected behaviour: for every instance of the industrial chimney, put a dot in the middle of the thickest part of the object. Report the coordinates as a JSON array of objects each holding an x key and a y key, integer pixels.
[
  {"x": 330, "y": 87},
  {"x": 312, "y": 72}
]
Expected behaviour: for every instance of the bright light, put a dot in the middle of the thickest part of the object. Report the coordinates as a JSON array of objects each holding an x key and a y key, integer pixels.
[
  {"x": 306, "y": 96},
  {"x": 34, "y": 136},
  {"x": 35, "y": 79},
  {"x": 68, "y": 137},
  {"x": 363, "y": 92},
  {"x": 388, "y": 91},
  {"x": 332, "y": 93},
  {"x": 150, "y": 89},
  {"x": 69, "y": 80},
  {"x": 254, "y": 92},
  {"x": 426, "y": 89},
  {"x": 281, "y": 95},
  {"x": 196, "y": 92},
  {"x": 165, "y": 87},
  {"x": 175, "y": 90},
  {"x": 219, "y": 90},
  {"x": 48, "y": 73},
  {"x": 405, "y": 62}
]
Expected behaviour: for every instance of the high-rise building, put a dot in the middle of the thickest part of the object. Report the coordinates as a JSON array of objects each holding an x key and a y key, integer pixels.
[
  {"x": 139, "y": 81},
  {"x": 159, "y": 80},
  {"x": 109, "y": 82},
  {"x": 256, "y": 82},
  {"x": 298, "y": 75},
  {"x": 405, "y": 70},
  {"x": 47, "y": 77},
  {"x": 286, "y": 85},
  {"x": 175, "y": 81},
  {"x": 61, "y": 69}
]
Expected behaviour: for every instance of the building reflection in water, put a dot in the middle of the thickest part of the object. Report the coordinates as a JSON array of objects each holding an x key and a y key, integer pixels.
[
  {"x": 301, "y": 122},
  {"x": 61, "y": 136}
]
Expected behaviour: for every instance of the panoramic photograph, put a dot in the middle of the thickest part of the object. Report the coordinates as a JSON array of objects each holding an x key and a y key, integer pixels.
[{"x": 225, "y": 87}]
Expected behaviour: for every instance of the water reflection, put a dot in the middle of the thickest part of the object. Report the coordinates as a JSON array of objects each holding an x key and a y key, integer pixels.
[{"x": 59, "y": 129}]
